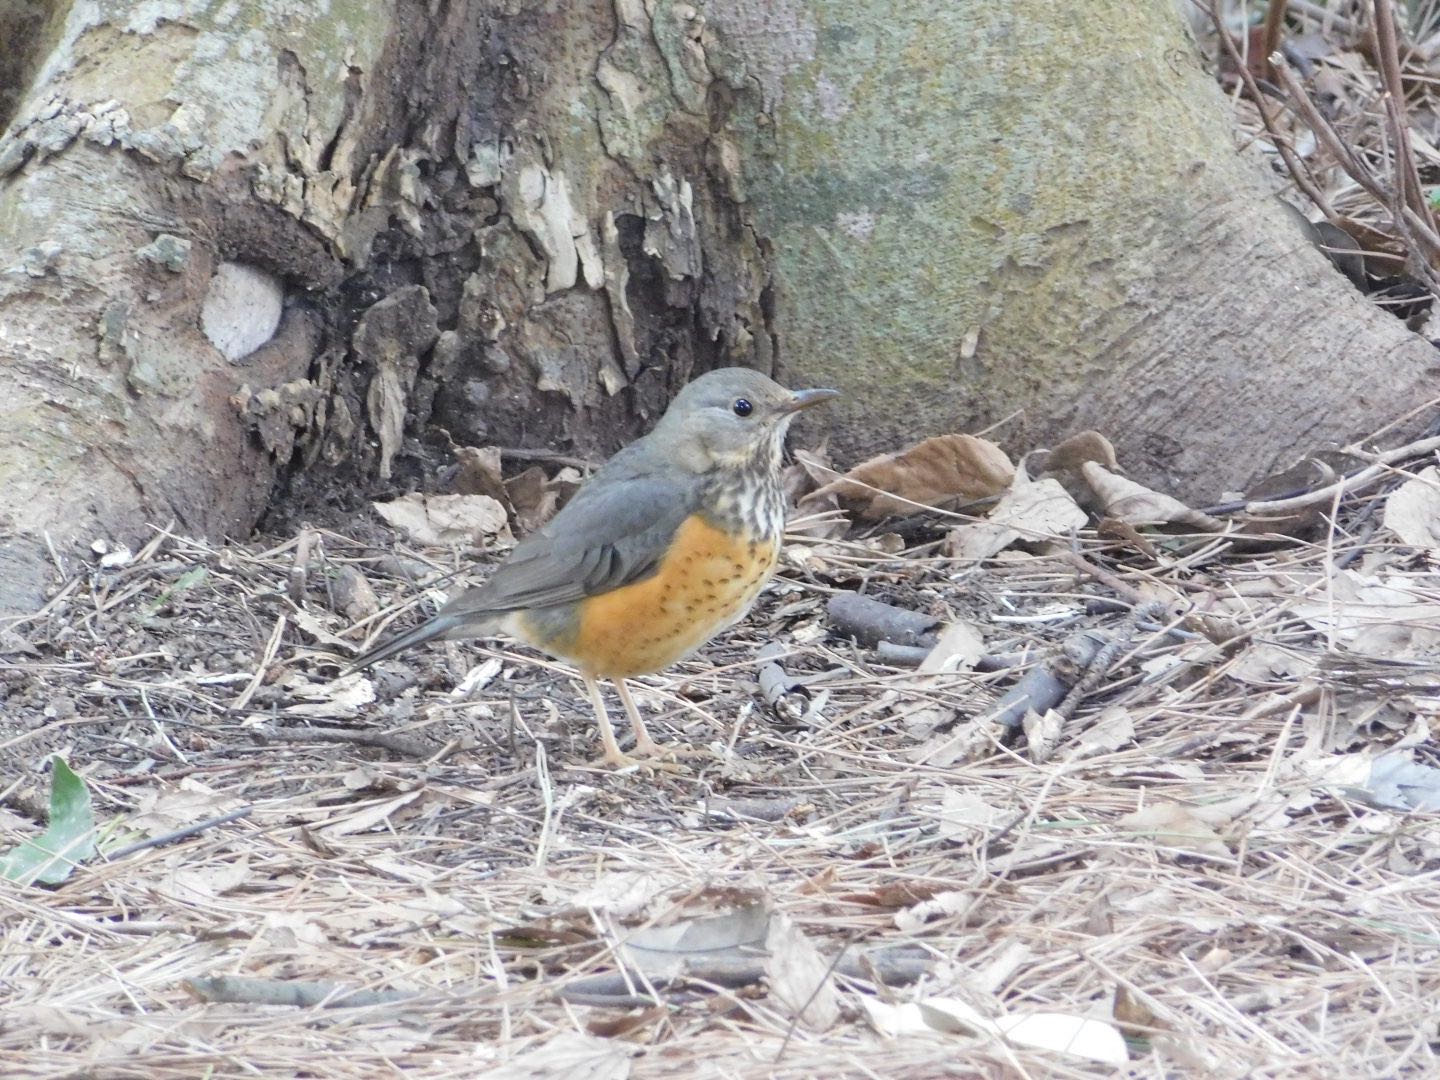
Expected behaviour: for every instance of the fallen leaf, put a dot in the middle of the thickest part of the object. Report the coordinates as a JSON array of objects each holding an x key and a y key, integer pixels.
[
  {"x": 163, "y": 810},
  {"x": 1412, "y": 512},
  {"x": 354, "y": 596},
  {"x": 1384, "y": 618},
  {"x": 799, "y": 977},
  {"x": 1042, "y": 733},
  {"x": 943, "y": 470},
  {"x": 622, "y": 895},
  {"x": 1112, "y": 729},
  {"x": 665, "y": 951},
  {"x": 1138, "y": 505},
  {"x": 368, "y": 816},
  {"x": 67, "y": 841},
  {"x": 198, "y": 884},
  {"x": 941, "y": 905},
  {"x": 1029, "y": 510},
  {"x": 533, "y": 497},
  {"x": 965, "y": 815},
  {"x": 1170, "y": 825},
  {"x": 1398, "y": 783},
  {"x": 1078, "y": 1036},
  {"x": 958, "y": 648},
  {"x": 1078, "y": 449},
  {"x": 478, "y": 472},
  {"x": 471, "y": 521},
  {"x": 338, "y": 699},
  {"x": 569, "y": 1055}
]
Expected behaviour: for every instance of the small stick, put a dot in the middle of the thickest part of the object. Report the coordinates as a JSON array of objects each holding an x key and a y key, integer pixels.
[
  {"x": 240, "y": 990},
  {"x": 1346, "y": 485},
  {"x": 397, "y": 744},
  {"x": 271, "y": 648},
  {"x": 179, "y": 834},
  {"x": 870, "y": 621}
]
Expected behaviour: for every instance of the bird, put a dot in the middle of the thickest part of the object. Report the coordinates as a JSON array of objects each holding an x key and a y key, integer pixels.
[{"x": 667, "y": 544}]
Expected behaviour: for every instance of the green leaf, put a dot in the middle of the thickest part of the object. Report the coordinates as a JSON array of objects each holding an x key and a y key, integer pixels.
[{"x": 68, "y": 841}]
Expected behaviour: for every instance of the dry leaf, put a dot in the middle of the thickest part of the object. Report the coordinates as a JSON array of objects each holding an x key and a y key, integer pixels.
[
  {"x": 1382, "y": 618},
  {"x": 799, "y": 976},
  {"x": 340, "y": 698},
  {"x": 450, "y": 520},
  {"x": 1075, "y": 451},
  {"x": 664, "y": 952},
  {"x": 478, "y": 472},
  {"x": 622, "y": 895},
  {"x": 1042, "y": 733},
  {"x": 1138, "y": 505},
  {"x": 162, "y": 811},
  {"x": 958, "y": 649},
  {"x": 1412, "y": 512},
  {"x": 369, "y": 815},
  {"x": 1030, "y": 510},
  {"x": 1112, "y": 729},
  {"x": 533, "y": 499},
  {"x": 1078, "y": 1036},
  {"x": 966, "y": 816},
  {"x": 812, "y": 469},
  {"x": 946, "y": 469},
  {"x": 1171, "y": 825},
  {"x": 568, "y": 1055},
  {"x": 819, "y": 515},
  {"x": 354, "y": 596},
  {"x": 197, "y": 885}
]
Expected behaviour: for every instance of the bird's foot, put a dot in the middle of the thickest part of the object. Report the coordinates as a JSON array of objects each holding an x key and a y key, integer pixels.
[{"x": 650, "y": 756}]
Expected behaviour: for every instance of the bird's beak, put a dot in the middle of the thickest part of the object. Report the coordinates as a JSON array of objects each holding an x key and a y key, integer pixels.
[{"x": 804, "y": 399}]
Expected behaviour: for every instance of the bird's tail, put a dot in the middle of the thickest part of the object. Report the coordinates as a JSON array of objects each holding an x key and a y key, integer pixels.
[{"x": 438, "y": 627}]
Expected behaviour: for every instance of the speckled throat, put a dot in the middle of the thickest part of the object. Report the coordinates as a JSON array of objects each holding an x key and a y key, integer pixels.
[{"x": 747, "y": 500}]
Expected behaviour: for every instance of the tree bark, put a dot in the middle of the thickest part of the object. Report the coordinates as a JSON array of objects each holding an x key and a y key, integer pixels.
[
  {"x": 977, "y": 208},
  {"x": 261, "y": 252}
]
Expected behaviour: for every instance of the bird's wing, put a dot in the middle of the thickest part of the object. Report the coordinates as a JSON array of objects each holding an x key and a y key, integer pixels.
[{"x": 614, "y": 531}]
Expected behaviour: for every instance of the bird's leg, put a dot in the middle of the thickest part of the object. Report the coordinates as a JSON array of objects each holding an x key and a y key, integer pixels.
[
  {"x": 645, "y": 746},
  {"x": 613, "y": 756}
]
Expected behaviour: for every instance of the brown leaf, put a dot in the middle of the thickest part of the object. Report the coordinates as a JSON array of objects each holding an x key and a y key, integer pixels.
[
  {"x": 533, "y": 499},
  {"x": 1123, "y": 532},
  {"x": 1029, "y": 511},
  {"x": 1078, "y": 449},
  {"x": 1138, "y": 505},
  {"x": 944, "y": 470},
  {"x": 478, "y": 472},
  {"x": 811, "y": 469},
  {"x": 439, "y": 520}
]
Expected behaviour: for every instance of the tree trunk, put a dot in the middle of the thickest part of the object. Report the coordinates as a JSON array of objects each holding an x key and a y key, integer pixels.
[{"x": 253, "y": 250}]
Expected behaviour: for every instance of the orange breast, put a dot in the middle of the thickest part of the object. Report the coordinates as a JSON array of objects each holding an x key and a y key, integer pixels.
[{"x": 706, "y": 582}]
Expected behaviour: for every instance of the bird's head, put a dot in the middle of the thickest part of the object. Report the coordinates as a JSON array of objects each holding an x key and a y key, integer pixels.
[{"x": 733, "y": 418}]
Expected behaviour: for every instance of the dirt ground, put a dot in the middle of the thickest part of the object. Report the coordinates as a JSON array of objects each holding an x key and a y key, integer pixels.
[{"x": 859, "y": 871}]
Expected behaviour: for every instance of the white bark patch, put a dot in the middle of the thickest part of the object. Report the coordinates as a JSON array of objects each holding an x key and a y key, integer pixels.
[
  {"x": 540, "y": 202},
  {"x": 242, "y": 309}
]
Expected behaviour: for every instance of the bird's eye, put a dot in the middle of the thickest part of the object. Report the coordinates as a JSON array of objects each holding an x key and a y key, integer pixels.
[{"x": 742, "y": 407}]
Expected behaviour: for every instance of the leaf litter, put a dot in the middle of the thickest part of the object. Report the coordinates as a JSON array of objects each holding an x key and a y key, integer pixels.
[{"x": 1204, "y": 841}]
